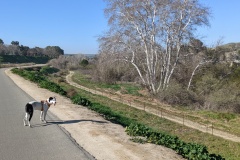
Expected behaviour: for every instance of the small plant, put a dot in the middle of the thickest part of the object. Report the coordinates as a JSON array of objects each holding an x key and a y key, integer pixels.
[
  {"x": 48, "y": 70},
  {"x": 138, "y": 140},
  {"x": 77, "y": 99},
  {"x": 71, "y": 93},
  {"x": 84, "y": 63}
]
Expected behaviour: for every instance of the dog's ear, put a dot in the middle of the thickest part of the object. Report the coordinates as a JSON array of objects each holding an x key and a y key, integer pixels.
[{"x": 50, "y": 98}]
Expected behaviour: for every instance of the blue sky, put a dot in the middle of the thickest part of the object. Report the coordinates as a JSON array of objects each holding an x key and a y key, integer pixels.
[
  {"x": 74, "y": 25},
  {"x": 224, "y": 21}
]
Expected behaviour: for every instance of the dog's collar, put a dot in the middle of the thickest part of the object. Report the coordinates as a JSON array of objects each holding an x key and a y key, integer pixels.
[{"x": 48, "y": 104}]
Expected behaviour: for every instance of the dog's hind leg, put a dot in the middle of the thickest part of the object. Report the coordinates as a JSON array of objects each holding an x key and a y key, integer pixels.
[
  {"x": 30, "y": 117},
  {"x": 25, "y": 119},
  {"x": 29, "y": 111}
]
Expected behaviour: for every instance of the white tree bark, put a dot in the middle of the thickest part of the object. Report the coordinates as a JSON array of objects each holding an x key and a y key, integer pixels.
[{"x": 149, "y": 34}]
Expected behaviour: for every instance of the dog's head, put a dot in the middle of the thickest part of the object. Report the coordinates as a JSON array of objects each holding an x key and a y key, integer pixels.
[{"x": 52, "y": 100}]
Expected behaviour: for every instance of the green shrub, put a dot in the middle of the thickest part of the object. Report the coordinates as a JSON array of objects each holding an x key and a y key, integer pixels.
[
  {"x": 190, "y": 151},
  {"x": 52, "y": 87},
  {"x": 77, "y": 99},
  {"x": 38, "y": 78},
  {"x": 48, "y": 70},
  {"x": 177, "y": 95},
  {"x": 84, "y": 63}
]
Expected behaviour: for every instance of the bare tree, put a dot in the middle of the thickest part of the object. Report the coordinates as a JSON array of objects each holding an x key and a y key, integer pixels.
[
  {"x": 3, "y": 49},
  {"x": 211, "y": 55},
  {"x": 67, "y": 62},
  {"x": 149, "y": 35}
]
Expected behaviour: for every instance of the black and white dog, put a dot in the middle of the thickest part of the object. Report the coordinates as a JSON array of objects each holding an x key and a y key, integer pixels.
[{"x": 42, "y": 106}]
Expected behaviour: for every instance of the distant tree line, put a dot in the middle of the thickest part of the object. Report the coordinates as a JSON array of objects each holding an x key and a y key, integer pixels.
[{"x": 16, "y": 49}]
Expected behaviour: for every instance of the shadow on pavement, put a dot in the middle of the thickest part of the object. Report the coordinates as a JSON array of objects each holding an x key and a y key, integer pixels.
[{"x": 50, "y": 122}]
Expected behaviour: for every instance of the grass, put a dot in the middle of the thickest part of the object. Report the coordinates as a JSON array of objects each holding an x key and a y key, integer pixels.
[
  {"x": 125, "y": 88},
  {"x": 227, "y": 122}
]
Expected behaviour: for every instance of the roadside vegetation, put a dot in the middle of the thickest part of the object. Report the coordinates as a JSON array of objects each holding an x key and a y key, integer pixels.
[{"x": 144, "y": 127}]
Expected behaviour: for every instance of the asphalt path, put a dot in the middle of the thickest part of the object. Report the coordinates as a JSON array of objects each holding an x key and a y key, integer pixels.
[{"x": 42, "y": 141}]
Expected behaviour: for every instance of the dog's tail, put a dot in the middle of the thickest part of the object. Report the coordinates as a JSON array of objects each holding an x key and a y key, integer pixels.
[{"x": 29, "y": 110}]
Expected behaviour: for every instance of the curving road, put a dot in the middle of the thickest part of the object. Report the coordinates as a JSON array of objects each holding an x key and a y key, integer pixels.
[{"x": 42, "y": 141}]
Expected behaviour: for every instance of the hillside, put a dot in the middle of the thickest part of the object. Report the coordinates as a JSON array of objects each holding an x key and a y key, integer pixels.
[{"x": 231, "y": 46}]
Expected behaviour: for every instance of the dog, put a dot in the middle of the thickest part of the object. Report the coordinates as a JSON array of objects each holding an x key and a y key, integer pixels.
[{"x": 42, "y": 106}]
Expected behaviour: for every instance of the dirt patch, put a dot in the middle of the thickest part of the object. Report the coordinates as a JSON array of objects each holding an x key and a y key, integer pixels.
[{"x": 102, "y": 139}]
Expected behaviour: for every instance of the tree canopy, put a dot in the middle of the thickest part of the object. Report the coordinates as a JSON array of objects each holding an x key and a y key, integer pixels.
[
  {"x": 149, "y": 34},
  {"x": 16, "y": 49}
]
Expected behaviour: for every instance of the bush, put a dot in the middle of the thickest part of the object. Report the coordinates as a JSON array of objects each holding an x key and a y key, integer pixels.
[
  {"x": 77, "y": 99},
  {"x": 225, "y": 99},
  {"x": 48, "y": 70},
  {"x": 71, "y": 92},
  {"x": 38, "y": 78},
  {"x": 52, "y": 87},
  {"x": 176, "y": 95},
  {"x": 190, "y": 151},
  {"x": 84, "y": 63}
]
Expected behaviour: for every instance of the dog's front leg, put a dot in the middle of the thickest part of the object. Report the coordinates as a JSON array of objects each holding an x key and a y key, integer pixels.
[
  {"x": 41, "y": 115},
  {"x": 44, "y": 118}
]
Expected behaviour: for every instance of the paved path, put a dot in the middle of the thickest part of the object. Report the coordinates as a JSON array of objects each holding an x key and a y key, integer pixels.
[{"x": 42, "y": 141}]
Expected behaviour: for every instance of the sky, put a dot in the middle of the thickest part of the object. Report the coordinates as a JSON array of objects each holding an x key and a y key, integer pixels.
[
  {"x": 74, "y": 25},
  {"x": 224, "y": 22}
]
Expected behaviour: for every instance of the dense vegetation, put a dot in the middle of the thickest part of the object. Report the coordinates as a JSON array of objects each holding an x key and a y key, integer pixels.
[
  {"x": 23, "y": 59},
  {"x": 16, "y": 49},
  {"x": 40, "y": 79}
]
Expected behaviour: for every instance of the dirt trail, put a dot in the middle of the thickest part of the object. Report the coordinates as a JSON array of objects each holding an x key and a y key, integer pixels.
[
  {"x": 180, "y": 120},
  {"x": 102, "y": 139}
]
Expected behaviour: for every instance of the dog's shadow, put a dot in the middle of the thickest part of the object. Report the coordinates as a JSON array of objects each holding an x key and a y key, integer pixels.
[{"x": 51, "y": 122}]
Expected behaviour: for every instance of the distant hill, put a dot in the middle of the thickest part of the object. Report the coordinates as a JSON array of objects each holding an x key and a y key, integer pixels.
[
  {"x": 231, "y": 46},
  {"x": 87, "y": 55},
  {"x": 90, "y": 55}
]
